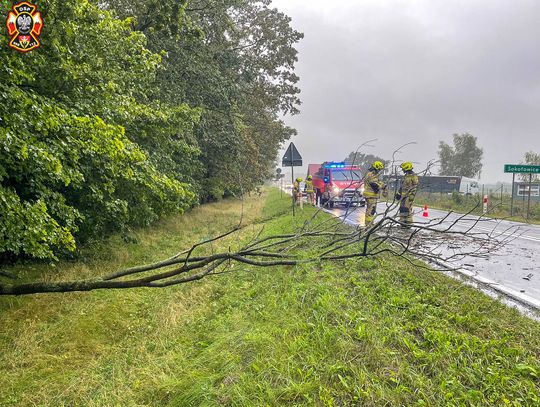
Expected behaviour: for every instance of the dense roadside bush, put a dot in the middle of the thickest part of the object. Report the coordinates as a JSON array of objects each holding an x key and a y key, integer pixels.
[
  {"x": 64, "y": 176},
  {"x": 132, "y": 110}
]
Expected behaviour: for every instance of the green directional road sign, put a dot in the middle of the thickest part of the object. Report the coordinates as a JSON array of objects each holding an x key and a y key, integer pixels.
[{"x": 522, "y": 169}]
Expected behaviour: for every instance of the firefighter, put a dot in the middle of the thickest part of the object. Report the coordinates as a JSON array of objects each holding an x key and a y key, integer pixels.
[
  {"x": 373, "y": 187},
  {"x": 297, "y": 193},
  {"x": 406, "y": 194},
  {"x": 310, "y": 191}
]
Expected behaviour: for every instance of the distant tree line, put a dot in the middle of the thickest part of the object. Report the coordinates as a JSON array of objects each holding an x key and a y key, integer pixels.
[{"x": 135, "y": 109}]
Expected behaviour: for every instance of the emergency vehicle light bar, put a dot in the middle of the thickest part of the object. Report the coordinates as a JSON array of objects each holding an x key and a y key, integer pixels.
[{"x": 335, "y": 165}]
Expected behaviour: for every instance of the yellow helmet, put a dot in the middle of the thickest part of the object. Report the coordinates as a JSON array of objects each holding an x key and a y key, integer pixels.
[
  {"x": 406, "y": 166},
  {"x": 378, "y": 165},
  {"x": 298, "y": 179},
  {"x": 309, "y": 177}
]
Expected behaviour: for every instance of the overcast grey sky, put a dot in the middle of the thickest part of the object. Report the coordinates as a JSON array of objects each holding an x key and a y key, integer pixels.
[{"x": 418, "y": 70}]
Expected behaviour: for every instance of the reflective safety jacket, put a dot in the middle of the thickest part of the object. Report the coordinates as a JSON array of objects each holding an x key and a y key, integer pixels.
[
  {"x": 296, "y": 186},
  {"x": 409, "y": 186},
  {"x": 373, "y": 186},
  {"x": 309, "y": 187}
]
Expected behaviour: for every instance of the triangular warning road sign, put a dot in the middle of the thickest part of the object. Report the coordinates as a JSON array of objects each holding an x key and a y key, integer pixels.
[{"x": 292, "y": 157}]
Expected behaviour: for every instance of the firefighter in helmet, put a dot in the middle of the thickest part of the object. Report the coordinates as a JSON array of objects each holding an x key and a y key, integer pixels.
[
  {"x": 310, "y": 192},
  {"x": 297, "y": 193},
  {"x": 373, "y": 187},
  {"x": 407, "y": 193}
]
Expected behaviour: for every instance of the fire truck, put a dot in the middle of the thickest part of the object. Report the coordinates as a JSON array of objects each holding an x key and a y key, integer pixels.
[{"x": 337, "y": 183}]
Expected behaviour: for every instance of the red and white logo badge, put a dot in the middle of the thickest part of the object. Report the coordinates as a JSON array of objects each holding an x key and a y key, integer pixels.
[{"x": 24, "y": 24}]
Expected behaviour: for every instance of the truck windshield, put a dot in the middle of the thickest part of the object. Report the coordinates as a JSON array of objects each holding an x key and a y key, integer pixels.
[{"x": 346, "y": 175}]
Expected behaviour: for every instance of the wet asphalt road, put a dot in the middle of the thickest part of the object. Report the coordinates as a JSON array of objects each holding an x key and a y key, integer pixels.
[{"x": 513, "y": 269}]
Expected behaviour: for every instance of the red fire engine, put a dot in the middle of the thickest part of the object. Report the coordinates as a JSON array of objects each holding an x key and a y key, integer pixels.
[{"x": 337, "y": 183}]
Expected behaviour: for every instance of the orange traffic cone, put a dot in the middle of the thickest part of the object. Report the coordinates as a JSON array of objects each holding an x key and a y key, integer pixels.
[{"x": 425, "y": 214}]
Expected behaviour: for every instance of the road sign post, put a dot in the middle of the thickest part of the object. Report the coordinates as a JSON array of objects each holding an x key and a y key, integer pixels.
[
  {"x": 512, "y": 195},
  {"x": 529, "y": 200},
  {"x": 292, "y": 158},
  {"x": 293, "y": 197},
  {"x": 521, "y": 169}
]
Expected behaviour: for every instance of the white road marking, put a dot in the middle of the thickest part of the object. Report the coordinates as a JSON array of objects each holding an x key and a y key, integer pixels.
[{"x": 518, "y": 236}]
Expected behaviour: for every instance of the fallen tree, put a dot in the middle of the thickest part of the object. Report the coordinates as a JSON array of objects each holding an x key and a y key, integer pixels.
[
  {"x": 326, "y": 238},
  {"x": 439, "y": 241}
]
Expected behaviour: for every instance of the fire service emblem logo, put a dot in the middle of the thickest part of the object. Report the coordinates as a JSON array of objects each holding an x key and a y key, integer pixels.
[{"x": 24, "y": 24}]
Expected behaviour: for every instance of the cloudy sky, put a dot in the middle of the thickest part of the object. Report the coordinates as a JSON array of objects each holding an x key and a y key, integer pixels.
[{"x": 418, "y": 70}]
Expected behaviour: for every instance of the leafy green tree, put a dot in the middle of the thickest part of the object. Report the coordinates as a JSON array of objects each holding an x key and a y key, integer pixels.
[
  {"x": 531, "y": 158},
  {"x": 134, "y": 109},
  {"x": 233, "y": 59},
  {"x": 464, "y": 158},
  {"x": 68, "y": 171},
  {"x": 253, "y": 83}
]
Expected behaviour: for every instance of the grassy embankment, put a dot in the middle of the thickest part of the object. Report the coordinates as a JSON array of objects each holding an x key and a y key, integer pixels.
[
  {"x": 497, "y": 208},
  {"x": 366, "y": 332}
]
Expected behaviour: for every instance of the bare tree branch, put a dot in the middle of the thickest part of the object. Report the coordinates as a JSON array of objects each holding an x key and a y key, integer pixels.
[{"x": 321, "y": 238}]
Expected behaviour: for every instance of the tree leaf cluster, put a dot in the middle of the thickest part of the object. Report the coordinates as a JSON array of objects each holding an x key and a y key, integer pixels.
[
  {"x": 531, "y": 158},
  {"x": 464, "y": 158},
  {"x": 133, "y": 110}
]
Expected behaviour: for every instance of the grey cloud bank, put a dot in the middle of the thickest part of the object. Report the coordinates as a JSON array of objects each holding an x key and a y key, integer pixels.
[{"x": 420, "y": 71}]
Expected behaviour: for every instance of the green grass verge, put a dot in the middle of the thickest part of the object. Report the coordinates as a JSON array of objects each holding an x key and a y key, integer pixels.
[{"x": 364, "y": 332}]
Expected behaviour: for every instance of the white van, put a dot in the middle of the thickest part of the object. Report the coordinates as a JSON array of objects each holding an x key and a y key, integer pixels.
[{"x": 469, "y": 186}]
